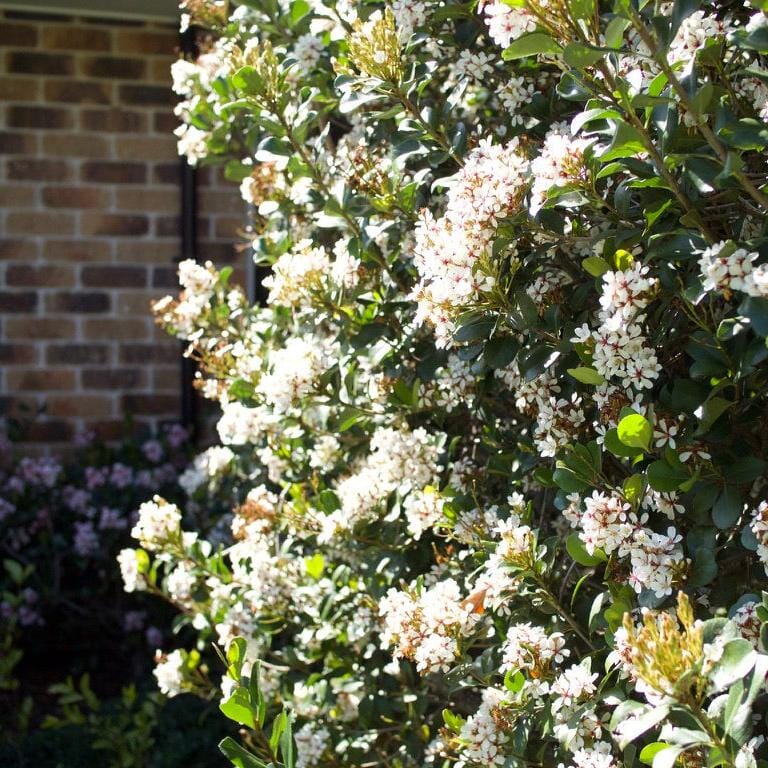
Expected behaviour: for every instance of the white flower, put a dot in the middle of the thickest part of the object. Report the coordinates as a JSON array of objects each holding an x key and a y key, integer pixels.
[
  {"x": 169, "y": 672},
  {"x": 158, "y": 522},
  {"x": 133, "y": 580},
  {"x": 506, "y": 23}
]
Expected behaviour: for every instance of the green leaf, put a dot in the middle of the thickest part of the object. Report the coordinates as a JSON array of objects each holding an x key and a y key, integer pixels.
[
  {"x": 514, "y": 681},
  {"x": 709, "y": 412},
  {"x": 238, "y": 756},
  {"x": 649, "y": 751},
  {"x": 586, "y": 375},
  {"x": 737, "y": 660},
  {"x": 626, "y": 142},
  {"x": 238, "y": 708},
  {"x": 257, "y": 697},
  {"x": 315, "y": 565},
  {"x": 578, "y": 551},
  {"x": 287, "y": 745},
  {"x": 595, "y": 266},
  {"x": 278, "y": 726},
  {"x": 663, "y": 477},
  {"x": 635, "y": 431},
  {"x": 728, "y": 507},
  {"x": 631, "y": 722},
  {"x": 531, "y": 45},
  {"x": 617, "y": 448},
  {"x": 580, "y": 56}
]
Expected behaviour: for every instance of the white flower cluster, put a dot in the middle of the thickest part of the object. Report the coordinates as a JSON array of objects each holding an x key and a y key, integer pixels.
[
  {"x": 399, "y": 460},
  {"x": 481, "y": 737},
  {"x": 759, "y": 526},
  {"x": 449, "y": 251},
  {"x": 692, "y": 35},
  {"x": 311, "y": 741},
  {"x": 159, "y": 522},
  {"x": 426, "y": 627},
  {"x": 725, "y": 268},
  {"x": 294, "y": 370},
  {"x": 607, "y": 524},
  {"x": 572, "y": 727},
  {"x": 452, "y": 385},
  {"x": 241, "y": 425},
  {"x": 169, "y": 672},
  {"x": 133, "y": 580},
  {"x": 530, "y": 647},
  {"x": 409, "y": 14},
  {"x": 307, "y": 50},
  {"x": 620, "y": 349},
  {"x": 506, "y": 23},
  {"x": 559, "y": 163},
  {"x": 423, "y": 509},
  {"x": 297, "y": 274}
]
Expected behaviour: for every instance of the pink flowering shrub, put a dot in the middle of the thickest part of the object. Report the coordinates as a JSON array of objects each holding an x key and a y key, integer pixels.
[
  {"x": 499, "y": 426},
  {"x": 62, "y": 521}
]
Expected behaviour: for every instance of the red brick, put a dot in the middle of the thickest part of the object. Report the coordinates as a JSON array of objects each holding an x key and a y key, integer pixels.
[
  {"x": 74, "y": 406},
  {"x": 150, "y": 353},
  {"x": 114, "y": 429},
  {"x": 114, "y": 277},
  {"x": 38, "y": 170},
  {"x": 167, "y": 226},
  {"x": 114, "y": 173},
  {"x": 27, "y": 276},
  {"x": 48, "y": 379},
  {"x": 165, "y": 122},
  {"x": 134, "y": 303},
  {"x": 76, "y": 197},
  {"x": 167, "y": 173},
  {"x": 229, "y": 228},
  {"x": 17, "y": 354},
  {"x": 76, "y": 145},
  {"x": 18, "y": 35},
  {"x": 147, "y": 42},
  {"x": 76, "y": 38},
  {"x": 39, "y": 223},
  {"x": 113, "y": 378},
  {"x": 145, "y": 252},
  {"x": 147, "y": 148},
  {"x": 115, "y": 225},
  {"x": 114, "y": 69},
  {"x": 19, "y": 88},
  {"x": 77, "y": 354},
  {"x": 142, "y": 200},
  {"x": 165, "y": 378},
  {"x": 120, "y": 329},
  {"x": 25, "y": 301},
  {"x": 17, "y": 196},
  {"x": 17, "y": 143},
  {"x": 22, "y": 249},
  {"x": 79, "y": 302},
  {"x": 146, "y": 95},
  {"x": 165, "y": 277},
  {"x": 39, "y": 328},
  {"x": 149, "y": 405},
  {"x": 115, "y": 120},
  {"x": 219, "y": 201},
  {"x": 78, "y": 92},
  {"x": 38, "y": 63},
  {"x": 39, "y": 117},
  {"x": 49, "y": 431},
  {"x": 77, "y": 250}
]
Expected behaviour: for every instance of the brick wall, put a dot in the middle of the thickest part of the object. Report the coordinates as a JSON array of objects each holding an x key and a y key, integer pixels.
[{"x": 89, "y": 222}]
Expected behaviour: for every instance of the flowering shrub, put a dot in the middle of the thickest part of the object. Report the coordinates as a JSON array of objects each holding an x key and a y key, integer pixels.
[
  {"x": 506, "y": 402},
  {"x": 61, "y": 524}
]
